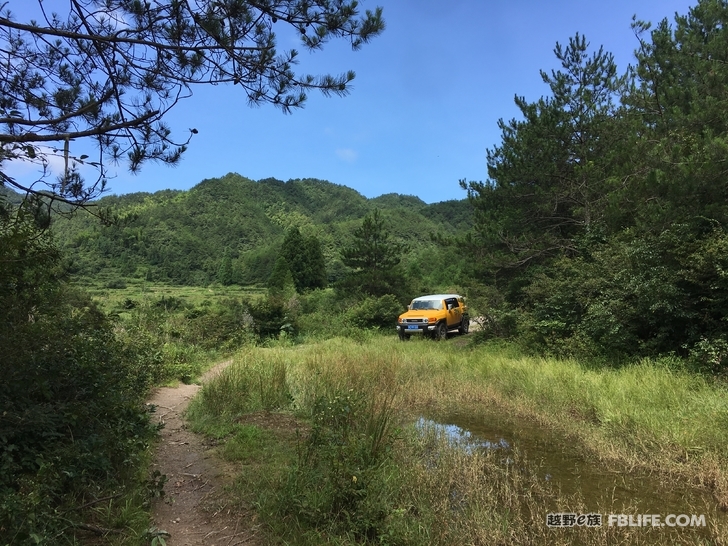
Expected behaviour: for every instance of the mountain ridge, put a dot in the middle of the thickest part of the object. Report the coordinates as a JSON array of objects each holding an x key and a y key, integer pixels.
[{"x": 180, "y": 236}]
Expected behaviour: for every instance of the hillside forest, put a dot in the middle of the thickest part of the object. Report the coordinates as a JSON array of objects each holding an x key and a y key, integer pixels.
[
  {"x": 599, "y": 232},
  {"x": 231, "y": 230}
]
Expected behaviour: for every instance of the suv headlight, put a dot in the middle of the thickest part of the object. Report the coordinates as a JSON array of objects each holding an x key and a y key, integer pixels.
[{"x": 426, "y": 321}]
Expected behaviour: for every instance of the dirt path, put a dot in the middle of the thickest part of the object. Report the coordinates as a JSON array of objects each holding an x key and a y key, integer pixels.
[{"x": 194, "y": 510}]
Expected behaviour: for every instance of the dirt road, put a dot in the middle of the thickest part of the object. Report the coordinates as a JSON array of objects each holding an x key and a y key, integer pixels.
[{"x": 194, "y": 510}]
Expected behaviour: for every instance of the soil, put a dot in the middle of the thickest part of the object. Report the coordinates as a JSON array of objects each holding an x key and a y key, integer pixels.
[{"x": 196, "y": 508}]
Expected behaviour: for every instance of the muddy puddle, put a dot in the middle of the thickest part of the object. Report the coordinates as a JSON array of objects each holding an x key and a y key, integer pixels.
[{"x": 603, "y": 490}]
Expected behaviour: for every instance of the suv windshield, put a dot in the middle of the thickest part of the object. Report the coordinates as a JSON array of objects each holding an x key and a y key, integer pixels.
[{"x": 426, "y": 304}]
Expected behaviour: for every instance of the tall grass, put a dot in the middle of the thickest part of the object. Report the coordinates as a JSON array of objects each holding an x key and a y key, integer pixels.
[
  {"x": 249, "y": 384},
  {"x": 363, "y": 473},
  {"x": 649, "y": 399}
]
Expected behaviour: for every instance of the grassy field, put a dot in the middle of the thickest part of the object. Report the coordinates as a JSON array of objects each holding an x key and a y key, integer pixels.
[
  {"x": 112, "y": 295},
  {"x": 330, "y": 453}
]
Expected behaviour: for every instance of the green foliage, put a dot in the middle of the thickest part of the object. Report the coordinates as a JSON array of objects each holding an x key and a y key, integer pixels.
[
  {"x": 373, "y": 312},
  {"x": 273, "y": 316},
  {"x": 602, "y": 227},
  {"x": 634, "y": 296},
  {"x": 180, "y": 335},
  {"x": 495, "y": 317},
  {"x": 551, "y": 177},
  {"x": 281, "y": 279},
  {"x": 316, "y": 271},
  {"x": 305, "y": 260},
  {"x": 375, "y": 257},
  {"x": 334, "y": 484},
  {"x": 322, "y": 314},
  {"x": 185, "y": 237},
  {"x": 116, "y": 284},
  {"x": 437, "y": 268},
  {"x": 451, "y": 212},
  {"x": 257, "y": 265},
  {"x": 396, "y": 200},
  {"x": 682, "y": 91},
  {"x": 72, "y": 395},
  {"x": 226, "y": 275}
]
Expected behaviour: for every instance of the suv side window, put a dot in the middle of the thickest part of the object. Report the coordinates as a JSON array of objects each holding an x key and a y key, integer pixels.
[{"x": 451, "y": 303}]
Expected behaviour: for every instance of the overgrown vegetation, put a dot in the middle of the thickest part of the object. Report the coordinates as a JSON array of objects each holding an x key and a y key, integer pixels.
[
  {"x": 232, "y": 230},
  {"x": 74, "y": 431},
  {"x": 350, "y": 468},
  {"x": 602, "y": 224}
]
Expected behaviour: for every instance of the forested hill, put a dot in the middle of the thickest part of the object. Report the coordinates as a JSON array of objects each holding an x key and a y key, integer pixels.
[{"x": 183, "y": 236}]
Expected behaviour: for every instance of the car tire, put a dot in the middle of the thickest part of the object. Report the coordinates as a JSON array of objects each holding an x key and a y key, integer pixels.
[
  {"x": 464, "y": 327},
  {"x": 404, "y": 337},
  {"x": 441, "y": 332}
]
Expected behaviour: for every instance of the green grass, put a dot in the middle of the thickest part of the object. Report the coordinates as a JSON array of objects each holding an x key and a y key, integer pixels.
[
  {"x": 648, "y": 399},
  {"x": 350, "y": 468},
  {"x": 180, "y": 330},
  {"x": 111, "y": 299}
]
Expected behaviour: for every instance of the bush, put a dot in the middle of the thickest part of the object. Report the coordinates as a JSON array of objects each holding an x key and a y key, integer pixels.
[
  {"x": 272, "y": 316},
  {"x": 334, "y": 484},
  {"x": 375, "y": 312},
  {"x": 495, "y": 318},
  {"x": 116, "y": 284},
  {"x": 228, "y": 325},
  {"x": 73, "y": 420},
  {"x": 322, "y": 313}
]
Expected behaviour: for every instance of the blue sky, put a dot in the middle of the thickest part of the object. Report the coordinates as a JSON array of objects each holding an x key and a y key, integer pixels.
[{"x": 424, "y": 105}]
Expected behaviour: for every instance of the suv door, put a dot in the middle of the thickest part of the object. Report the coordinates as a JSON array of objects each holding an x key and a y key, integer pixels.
[{"x": 454, "y": 312}]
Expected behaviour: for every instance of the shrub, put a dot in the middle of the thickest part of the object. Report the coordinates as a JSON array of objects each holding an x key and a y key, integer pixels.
[
  {"x": 73, "y": 419},
  {"x": 271, "y": 316},
  {"x": 372, "y": 312},
  {"x": 72, "y": 413},
  {"x": 116, "y": 284},
  {"x": 322, "y": 313},
  {"x": 335, "y": 482}
]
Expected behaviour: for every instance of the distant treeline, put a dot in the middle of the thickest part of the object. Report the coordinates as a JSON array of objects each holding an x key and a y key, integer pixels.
[{"x": 185, "y": 237}]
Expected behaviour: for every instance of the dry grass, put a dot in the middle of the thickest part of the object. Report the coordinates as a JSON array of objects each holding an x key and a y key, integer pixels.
[{"x": 428, "y": 491}]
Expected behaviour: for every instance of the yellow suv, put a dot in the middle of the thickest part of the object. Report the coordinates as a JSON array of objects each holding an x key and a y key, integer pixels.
[{"x": 434, "y": 316}]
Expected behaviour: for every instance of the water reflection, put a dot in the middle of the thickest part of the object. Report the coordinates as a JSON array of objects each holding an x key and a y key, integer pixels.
[
  {"x": 602, "y": 488},
  {"x": 461, "y": 437}
]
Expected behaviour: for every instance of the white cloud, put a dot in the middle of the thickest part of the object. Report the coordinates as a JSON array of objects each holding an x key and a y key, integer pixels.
[{"x": 347, "y": 154}]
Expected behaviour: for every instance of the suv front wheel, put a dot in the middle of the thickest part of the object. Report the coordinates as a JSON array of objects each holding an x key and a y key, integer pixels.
[{"x": 441, "y": 332}]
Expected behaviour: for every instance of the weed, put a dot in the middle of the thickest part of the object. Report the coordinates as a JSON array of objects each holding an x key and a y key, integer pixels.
[{"x": 357, "y": 475}]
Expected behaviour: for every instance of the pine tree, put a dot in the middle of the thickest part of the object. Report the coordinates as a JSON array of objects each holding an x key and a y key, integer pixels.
[
  {"x": 280, "y": 282},
  {"x": 375, "y": 259},
  {"x": 111, "y": 70},
  {"x": 315, "y": 264},
  {"x": 551, "y": 178},
  {"x": 305, "y": 260}
]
